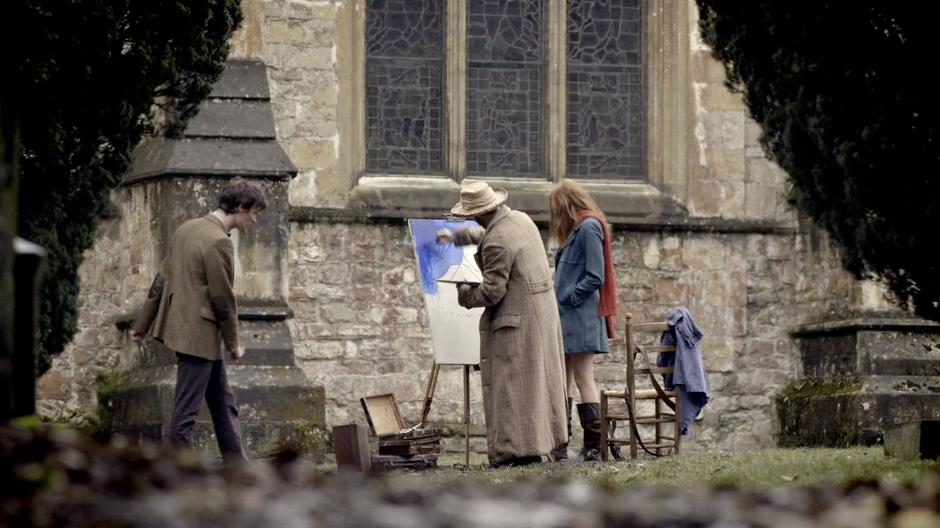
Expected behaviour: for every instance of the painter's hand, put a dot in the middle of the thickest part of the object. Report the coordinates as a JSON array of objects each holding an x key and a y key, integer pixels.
[
  {"x": 137, "y": 337},
  {"x": 238, "y": 353},
  {"x": 444, "y": 236},
  {"x": 463, "y": 295}
]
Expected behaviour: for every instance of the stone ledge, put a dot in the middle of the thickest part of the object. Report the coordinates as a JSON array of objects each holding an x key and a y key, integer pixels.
[
  {"x": 248, "y": 310},
  {"x": 632, "y": 206},
  {"x": 869, "y": 344},
  {"x": 619, "y": 200},
  {"x": 851, "y": 324},
  {"x": 378, "y": 216},
  {"x": 262, "y": 310}
]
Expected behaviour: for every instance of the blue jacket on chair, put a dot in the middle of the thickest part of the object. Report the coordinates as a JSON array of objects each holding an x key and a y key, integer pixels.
[{"x": 689, "y": 373}]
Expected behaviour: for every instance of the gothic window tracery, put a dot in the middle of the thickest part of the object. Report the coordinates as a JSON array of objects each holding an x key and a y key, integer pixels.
[
  {"x": 404, "y": 96},
  {"x": 506, "y": 126},
  {"x": 505, "y": 77},
  {"x": 605, "y": 90}
]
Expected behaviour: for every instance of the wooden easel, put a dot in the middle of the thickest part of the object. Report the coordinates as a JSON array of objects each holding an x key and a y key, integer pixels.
[{"x": 429, "y": 396}]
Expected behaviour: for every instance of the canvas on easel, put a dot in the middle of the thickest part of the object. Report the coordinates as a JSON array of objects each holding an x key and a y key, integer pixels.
[
  {"x": 455, "y": 330},
  {"x": 455, "y": 334}
]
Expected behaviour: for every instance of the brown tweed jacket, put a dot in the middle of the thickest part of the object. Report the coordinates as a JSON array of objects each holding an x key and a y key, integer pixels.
[
  {"x": 521, "y": 351},
  {"x": 191, "y": 306}
]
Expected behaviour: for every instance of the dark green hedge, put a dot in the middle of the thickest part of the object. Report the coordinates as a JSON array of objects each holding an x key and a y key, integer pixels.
[
  {"x": 87, "y": 76},
  {"x": 843, "y": 93}
]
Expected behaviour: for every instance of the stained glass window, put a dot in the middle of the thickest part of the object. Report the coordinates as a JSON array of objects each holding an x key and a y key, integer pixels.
[
  {"x": 605, "y": 89},
  {"x": 504, "y": 87},
  {"x": 404, "y": 100}
]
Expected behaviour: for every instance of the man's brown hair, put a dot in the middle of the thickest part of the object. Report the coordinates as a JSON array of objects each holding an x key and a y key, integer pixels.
[{"x": 241, "y": 194}]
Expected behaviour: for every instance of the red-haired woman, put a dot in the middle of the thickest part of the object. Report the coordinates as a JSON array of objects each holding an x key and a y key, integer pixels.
[{"x": 586, "y": 293}]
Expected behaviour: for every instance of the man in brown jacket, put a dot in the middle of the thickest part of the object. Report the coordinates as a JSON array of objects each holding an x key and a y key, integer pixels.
[
  {"x": 521, "y": 362},
  {"x": 191, "y": 309}
]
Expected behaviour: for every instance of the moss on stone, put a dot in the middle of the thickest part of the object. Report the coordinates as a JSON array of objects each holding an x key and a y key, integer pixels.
[
  {"x": 833, "y": 386},
  {"x": 798, "y": 407},
  {"x": 309, "y": 437},
  {"x": 99, "y": 424},
  {"x": 108, "y": 385},
  {"x": 30, "y": 422}
]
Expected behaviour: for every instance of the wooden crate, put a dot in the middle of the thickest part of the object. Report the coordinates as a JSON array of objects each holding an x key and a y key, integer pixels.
[{"x": 351, "y": 447}]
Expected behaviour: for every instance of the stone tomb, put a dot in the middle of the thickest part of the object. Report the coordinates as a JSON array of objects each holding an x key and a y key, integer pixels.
[{"x": 861, "y": 376}]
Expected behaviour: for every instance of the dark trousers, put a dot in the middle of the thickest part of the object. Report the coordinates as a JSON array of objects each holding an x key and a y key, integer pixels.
[{"x": 199, "y": 379}]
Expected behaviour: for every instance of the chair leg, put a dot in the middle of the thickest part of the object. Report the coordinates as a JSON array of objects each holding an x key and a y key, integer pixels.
[
  {"x": 604, "y": 427},
  {"x": 659, "y": 426},
  {"x": 633, "y": 450},
  {"x": 678, "y": 429}
]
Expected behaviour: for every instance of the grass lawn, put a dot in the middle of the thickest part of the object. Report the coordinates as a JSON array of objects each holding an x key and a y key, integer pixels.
[{"x": 750, "y": 470}]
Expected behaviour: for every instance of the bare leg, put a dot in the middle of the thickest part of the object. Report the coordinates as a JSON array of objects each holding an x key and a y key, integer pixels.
[{"x": 580, "y": 366}]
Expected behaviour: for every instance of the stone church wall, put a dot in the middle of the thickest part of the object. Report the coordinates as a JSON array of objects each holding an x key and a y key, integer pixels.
[
  {"x": 360, "y": 327},
  {"x": 744, "y": 263},
  {"x": 113, "y": 278}
]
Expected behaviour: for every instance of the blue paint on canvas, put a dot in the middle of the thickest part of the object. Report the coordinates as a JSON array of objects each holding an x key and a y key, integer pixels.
[{"x": 435, "y": 259}]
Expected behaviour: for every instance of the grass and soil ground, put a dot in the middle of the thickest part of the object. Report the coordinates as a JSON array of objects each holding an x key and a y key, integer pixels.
[
  {"x": 59, "y": 477},
  {"x": 748, "y": 470}
]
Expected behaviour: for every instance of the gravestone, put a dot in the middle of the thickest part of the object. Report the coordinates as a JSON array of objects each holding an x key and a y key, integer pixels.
[{"x": 913, "y": 440}]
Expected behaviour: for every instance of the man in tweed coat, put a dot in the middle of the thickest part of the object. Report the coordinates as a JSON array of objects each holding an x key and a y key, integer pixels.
[
  {"x": 191, "y": 309},
  {"x": 521, "y": 362}
]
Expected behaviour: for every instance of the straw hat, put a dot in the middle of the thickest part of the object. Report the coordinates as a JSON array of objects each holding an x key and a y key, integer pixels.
[{"x": 478, "y": 198}]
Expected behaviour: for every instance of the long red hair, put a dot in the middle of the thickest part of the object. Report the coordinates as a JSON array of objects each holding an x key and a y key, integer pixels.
[{"x": 565, "y": 200}]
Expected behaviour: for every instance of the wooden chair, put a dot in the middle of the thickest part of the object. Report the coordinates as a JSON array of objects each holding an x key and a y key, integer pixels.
[{"x": 656, "y": 433}]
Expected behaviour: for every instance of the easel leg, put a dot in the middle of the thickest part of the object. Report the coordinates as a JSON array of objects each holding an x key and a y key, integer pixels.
[
  {"x": 429, "y": 393},
  {"x": 429, "y": 397},
  {"x": 466, "y": 411}
]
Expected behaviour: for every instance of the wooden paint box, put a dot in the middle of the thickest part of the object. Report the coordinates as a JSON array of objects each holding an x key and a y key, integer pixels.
[{"x": 399, "y": 447}]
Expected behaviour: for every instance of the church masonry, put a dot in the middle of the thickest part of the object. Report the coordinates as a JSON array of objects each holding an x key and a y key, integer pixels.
[{"x": 332, "y": 308}]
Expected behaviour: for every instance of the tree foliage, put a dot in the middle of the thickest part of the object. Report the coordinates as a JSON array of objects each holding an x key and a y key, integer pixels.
[
  {"x": 843, "y": 94},
  {"x": 92, "y": 77}
]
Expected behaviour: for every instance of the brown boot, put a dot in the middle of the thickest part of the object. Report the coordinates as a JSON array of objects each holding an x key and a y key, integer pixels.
[{"x": 590, "y": 416}]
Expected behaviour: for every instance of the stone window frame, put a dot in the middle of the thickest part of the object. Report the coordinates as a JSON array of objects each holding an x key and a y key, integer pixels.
[{"x": 669, "y": 121}]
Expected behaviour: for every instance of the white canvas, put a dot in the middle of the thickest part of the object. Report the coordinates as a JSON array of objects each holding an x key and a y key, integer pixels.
[{"x": 455, "y": 333}]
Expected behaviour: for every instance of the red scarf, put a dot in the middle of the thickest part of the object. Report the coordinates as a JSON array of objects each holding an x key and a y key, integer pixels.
[{"x": 607, "y": 308}]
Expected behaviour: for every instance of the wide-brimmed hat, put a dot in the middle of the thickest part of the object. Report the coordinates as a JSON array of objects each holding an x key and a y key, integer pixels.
[{"x": 478, "y": 198}]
